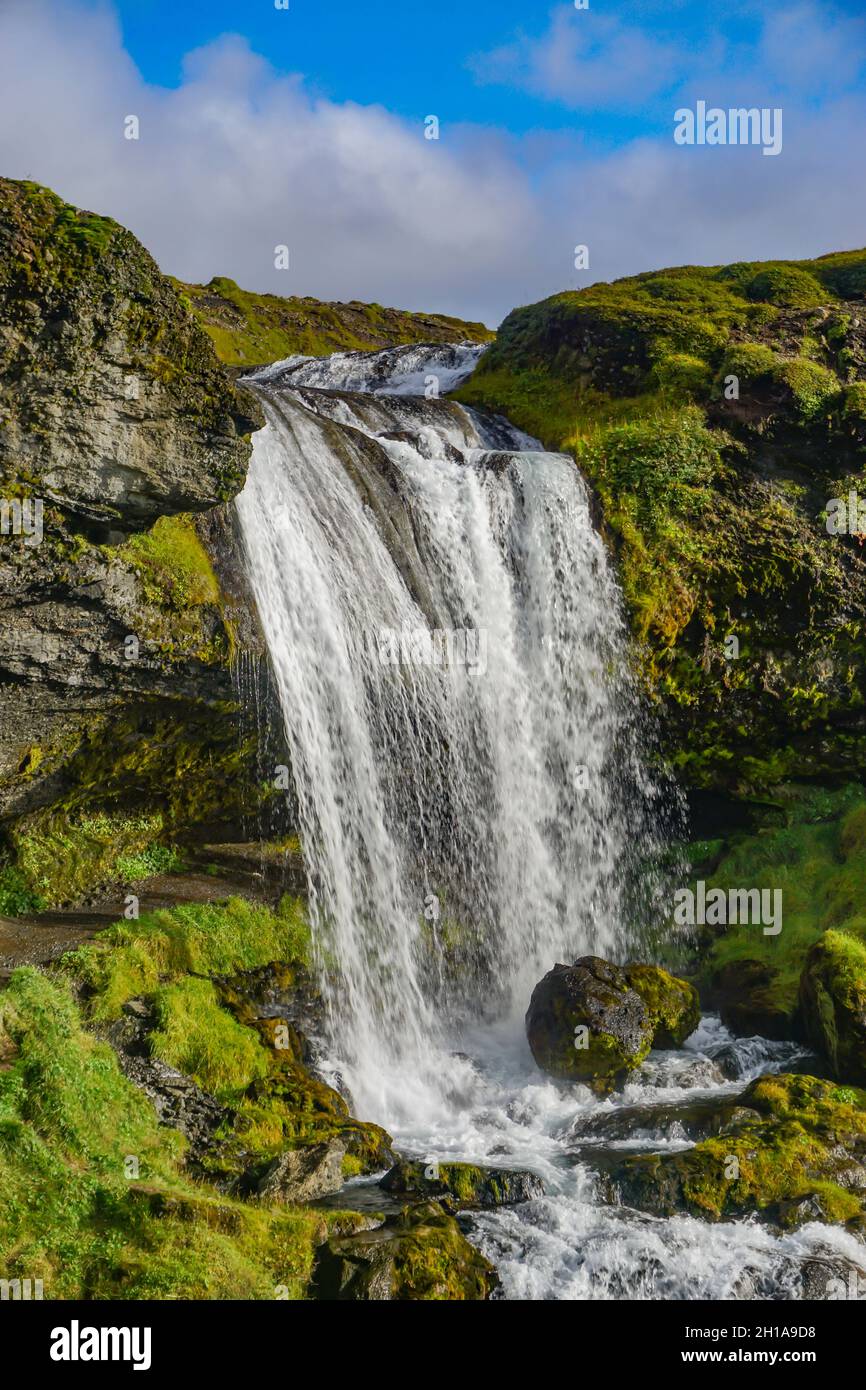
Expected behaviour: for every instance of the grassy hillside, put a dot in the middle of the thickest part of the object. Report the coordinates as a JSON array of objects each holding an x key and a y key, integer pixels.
[
  {"x": 252, "y": 329},
  {"x": 715, "y": 411}
]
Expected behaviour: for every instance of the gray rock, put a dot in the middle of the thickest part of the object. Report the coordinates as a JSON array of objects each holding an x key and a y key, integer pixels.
[{"x": 302, "y": 1175}]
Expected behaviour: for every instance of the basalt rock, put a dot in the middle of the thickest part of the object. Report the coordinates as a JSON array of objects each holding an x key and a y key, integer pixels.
[
  {"x": 119, "y": 612},
  {"x": 595, "y": 1022},
  {"x": 302, "y": 1175}
]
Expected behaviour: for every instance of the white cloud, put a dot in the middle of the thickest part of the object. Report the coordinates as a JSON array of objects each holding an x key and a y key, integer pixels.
[
  {"x": 239, "y": 159},
  {"x": 586, "y": 60}
]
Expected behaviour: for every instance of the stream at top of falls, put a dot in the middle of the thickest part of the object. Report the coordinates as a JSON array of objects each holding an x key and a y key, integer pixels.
[{"x": 471, "y": 763}]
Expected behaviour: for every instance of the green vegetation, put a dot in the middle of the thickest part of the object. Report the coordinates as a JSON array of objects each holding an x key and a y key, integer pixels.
[
  {"x": 93, "y": 1198},
  {"x": 133, "y": 958},
  {"x": 253, "y": 329},
  {"x": 712, "y": 493},
  {"x": 200, "y": 1038},
  {"x": 59, "y": 859},
  {"x": 174, "y": 567},
  {"x": 818, "y": 861},
  {"x": 790, "y": 1142}
]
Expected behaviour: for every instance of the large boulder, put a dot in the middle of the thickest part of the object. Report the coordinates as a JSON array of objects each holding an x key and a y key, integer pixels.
[
  {"x": 595, "y": 1022},
  {"x": 419, "y": 1254},
  {"x": 833, "y": 1003}
]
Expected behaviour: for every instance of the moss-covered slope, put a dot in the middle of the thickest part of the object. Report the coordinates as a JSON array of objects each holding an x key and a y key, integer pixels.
[
  {"x": 716, "y": 411},
  {"x": 252, "y": 329}
]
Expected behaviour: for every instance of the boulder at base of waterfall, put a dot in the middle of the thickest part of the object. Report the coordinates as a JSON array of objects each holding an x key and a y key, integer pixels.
[
  {"x": 463, "y": 1184},
  {"x": 793, "y": 1152},
  {"x": 594, "y": 1022},
  {"x": 673, "y": 1004},
  {"x": 419, "y": 1254},
  {"x": 833, "y": 1003},
  {"x": 302, "y": 1175}
]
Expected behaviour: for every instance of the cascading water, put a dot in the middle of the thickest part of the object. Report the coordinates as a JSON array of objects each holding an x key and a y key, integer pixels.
[
  {"x": 449, "y": 652},
  {"x": 472, "y": 794}
]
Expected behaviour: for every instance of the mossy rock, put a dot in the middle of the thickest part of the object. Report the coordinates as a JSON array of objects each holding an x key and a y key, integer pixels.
[
  {"x": 833, "y": 1003},
  {"x": 595, "y": 1022},
  {"x": 418, "y": 1255},
  {"x": 796, "y": 1147},
  {"x": 585, "y": 1023},
  {"x": 673, "y": 1004},
  {"x": 465, "y": 1185}
]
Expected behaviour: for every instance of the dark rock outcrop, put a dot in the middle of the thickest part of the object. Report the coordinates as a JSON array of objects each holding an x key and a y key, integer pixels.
[
  {"x": 114, "y": 405},
  {"x": 115, "y": 640},
  {"x": 793, "y": 1150}
]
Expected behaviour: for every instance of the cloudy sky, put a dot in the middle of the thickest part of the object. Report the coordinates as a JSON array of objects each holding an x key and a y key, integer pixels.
[{"x": 305, "y": 127}]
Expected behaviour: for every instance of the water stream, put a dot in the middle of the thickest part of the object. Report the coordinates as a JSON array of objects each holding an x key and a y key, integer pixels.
[{"x": 471, "y": 764}]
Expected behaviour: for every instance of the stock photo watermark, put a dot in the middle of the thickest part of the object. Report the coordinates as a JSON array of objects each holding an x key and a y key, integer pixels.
[
  {"x": 738, "y": 125},
  {"x": 719, "y": 907},
  {"x": 444, "y": 648}
]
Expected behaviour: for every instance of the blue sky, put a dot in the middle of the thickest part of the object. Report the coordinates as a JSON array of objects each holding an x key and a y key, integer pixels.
[{"x": 305, "y": 127}]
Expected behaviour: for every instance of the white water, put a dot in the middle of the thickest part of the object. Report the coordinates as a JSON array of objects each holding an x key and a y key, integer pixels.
[{"x": 469, "y": 822}]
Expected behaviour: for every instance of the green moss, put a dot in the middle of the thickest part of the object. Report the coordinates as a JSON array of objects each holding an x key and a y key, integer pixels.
[
  {"x": 174, "y": 566},
  {"x": 132, "y": 958},
  {"x": 787, "y": 286},
  {"x": 58, "y": 859},
  {"x": 197, "y": 1036},
  {"x": 794, "y": 1147},
  {"x": 817, "y": 859},
  {"x": 673, "y": 1004},
  {"x": 93, "y": 1199}
]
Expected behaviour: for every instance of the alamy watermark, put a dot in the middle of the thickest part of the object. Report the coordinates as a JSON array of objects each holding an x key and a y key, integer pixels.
[
  {"x": 739, "y": 125},
  {"x": 22, "y": 516},
  {"x": 442, "y": 647},
  {"x": 846, "y": 516},
  {"x": 718, "y": 907}
]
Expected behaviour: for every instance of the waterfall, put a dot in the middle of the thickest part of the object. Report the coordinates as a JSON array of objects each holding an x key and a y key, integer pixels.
[{"x": 450, "y": 656}]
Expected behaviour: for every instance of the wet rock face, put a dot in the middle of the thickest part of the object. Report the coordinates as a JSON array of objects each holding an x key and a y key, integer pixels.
[
  {"x": 745, "y": 995},
  {"x": 116, "y": 417},
  {"x": 115, "y": 406},
  {"x": 463, "y": 1185},
  {"x": 594, "y": 1022},
  {"x": 420, "y": 1254}
]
